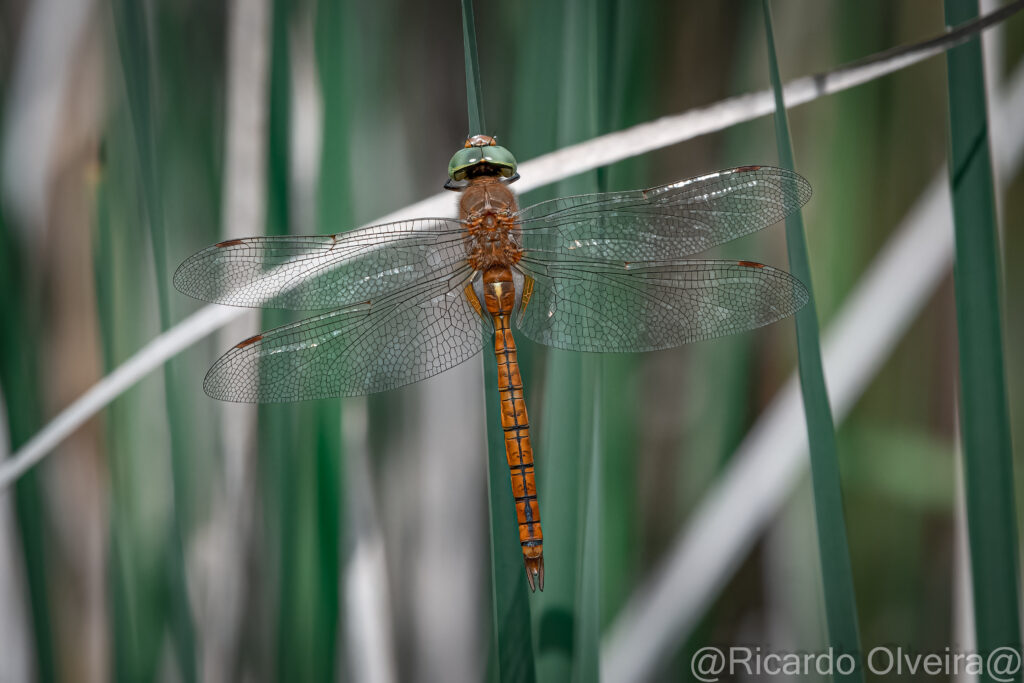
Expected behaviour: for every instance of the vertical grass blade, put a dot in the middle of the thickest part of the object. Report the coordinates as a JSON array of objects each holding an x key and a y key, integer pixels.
[
  {"x": 300, "y": 442},
  {"x": 19, "y": 377},
  {"x": 607, "y": 419},
  {"x": 837, "y": 576},
  {"x": 628, "y": 81},
  {"x": 567, "y": 452},
  {"x": 474, "y": 94},
  {"x": 133, "y": 43},
  {"x": 988, "y": 458},
  {"x": 334, "y": 42},
  {"x": 512, "y": 640},
  {"x": 586, "y": 660},
  {"x": 137, "y": 569},
  {"x": 559, "y": 482}
]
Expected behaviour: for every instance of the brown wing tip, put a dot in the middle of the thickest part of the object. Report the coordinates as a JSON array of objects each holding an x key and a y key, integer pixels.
[
  {"x": 228, "y": 243},
  {"x": 747, "y": 169},
  {"x": 750, "y": 264},
  {"x": 247, "y": 342},
  {"x": 535, "y": 573}
]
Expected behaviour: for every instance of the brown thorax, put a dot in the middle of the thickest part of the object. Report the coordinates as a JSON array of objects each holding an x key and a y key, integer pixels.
[{"x": 488, "y": 209}]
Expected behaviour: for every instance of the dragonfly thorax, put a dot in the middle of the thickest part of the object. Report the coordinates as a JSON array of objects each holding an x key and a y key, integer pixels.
[{"x": 487, "y": 208}]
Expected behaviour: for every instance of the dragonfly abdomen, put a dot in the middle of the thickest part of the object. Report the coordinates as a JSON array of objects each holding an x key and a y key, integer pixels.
[{"x": 499, "y": 297}]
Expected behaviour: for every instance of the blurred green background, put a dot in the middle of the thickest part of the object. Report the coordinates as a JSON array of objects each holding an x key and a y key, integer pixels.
[{"x": 177, "y": 538}]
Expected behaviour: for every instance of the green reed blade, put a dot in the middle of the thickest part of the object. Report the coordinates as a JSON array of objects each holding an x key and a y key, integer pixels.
[
  {"x": 138, "y": 556},
  {"x": 474, "y": 93},
  {"x": 566, "y": 629},
  {"x": 280, "y": 425},
  {"x": 336, "y": 43},
  {"x": 587, "y": 638},
  {"x": 609, "y": 422},
  {"x": 19, "y": 379},
  {"x": 132, "y": 38},
  {"x": 300, "y": 443},
  {"x": 530, "y": 133},
  {"x": 987, "y": 452},
  {"x": 512, "y": 640},
  {"x": 628, "y": 79},
  {"x": 837, "y": 576},
  {"x": 558, "y": 450}
]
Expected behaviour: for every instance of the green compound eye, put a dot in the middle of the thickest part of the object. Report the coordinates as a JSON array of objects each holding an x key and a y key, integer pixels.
[{"x": 470, "y": 158}]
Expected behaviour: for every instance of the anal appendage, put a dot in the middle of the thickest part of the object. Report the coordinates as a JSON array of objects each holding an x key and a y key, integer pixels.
[{"x": 535, "y": 572}]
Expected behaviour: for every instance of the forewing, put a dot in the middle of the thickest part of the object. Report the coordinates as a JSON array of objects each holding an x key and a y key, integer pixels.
[
  {"x": 323, "y": 271},
  {"x": 602, "y": 307},
  {"x": 663, "y": 223},
  {"x": 353, "y": 351}
]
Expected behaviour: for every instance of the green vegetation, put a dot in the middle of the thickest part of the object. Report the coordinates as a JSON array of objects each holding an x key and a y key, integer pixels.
[
  {"x": 834, "y": 552},
  {"x": 145, "y": 513},
  {"x": 987, "y": 452}
]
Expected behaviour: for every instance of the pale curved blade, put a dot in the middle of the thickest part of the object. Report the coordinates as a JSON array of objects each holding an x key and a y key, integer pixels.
[
  {"x": 323, "y": 271},
  {"x": 603, "y": 307},
  {"x": 353, "y": 351},
  {"x": 663, "y": 223}
]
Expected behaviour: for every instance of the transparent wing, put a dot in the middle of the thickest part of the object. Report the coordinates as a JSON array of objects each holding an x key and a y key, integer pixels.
[
  {"x": 603, "y": 307},
  {"x": 663, "y": 223},
  {"x": 323, "y": 271},
  {"x": 353, "y": 351}
]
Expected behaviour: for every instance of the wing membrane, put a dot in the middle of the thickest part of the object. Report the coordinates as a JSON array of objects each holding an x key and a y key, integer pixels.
[
  {"x": 323, "y": 271},
  {"x": 604, "y": 307},
  {"x": 663, "y": 223},
  {"x": 353, "y": 351}
]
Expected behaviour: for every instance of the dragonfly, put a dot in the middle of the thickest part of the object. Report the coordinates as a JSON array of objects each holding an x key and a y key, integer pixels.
[{"x": 400, "y": 302}]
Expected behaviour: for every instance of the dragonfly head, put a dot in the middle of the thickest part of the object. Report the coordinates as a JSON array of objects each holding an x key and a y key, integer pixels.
[{"x": 481, "y": 156}]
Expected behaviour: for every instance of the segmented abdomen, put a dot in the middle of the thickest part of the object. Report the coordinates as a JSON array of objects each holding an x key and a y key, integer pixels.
[{"x": 518, "y": 449}]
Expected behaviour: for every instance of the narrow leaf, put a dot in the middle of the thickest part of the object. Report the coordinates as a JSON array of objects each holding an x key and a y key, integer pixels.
[
  {"x": 474, "y": 94},
  {"x": 132, "y": 31},
  {"x": 20, "y": 355},
  {"x": 567, "y": 455},
  {"x": 512, "y": 639},
  {"x": 988, "y": 456},
  {"x": 837, "y": 576}
]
